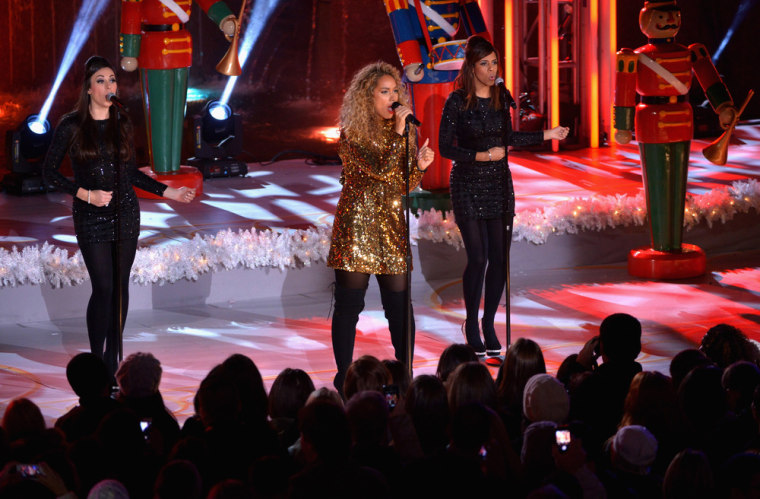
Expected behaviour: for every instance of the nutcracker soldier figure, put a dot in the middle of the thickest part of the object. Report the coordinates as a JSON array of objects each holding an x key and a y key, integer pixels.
[
  {"x": 153, "y": 38},
  {"x": 430, "y": 39},
  {"x": 661, "y": 73}
]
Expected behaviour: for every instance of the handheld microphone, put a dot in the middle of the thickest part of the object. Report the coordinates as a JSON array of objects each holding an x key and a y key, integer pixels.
[
  {"x": 508, "y": 100},
  {"x": 410, "y": 117},
  {"x": 115, "y": 100}
]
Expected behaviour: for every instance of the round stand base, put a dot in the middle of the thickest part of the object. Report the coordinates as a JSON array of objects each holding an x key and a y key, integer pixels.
[
  {"x": 186, "y": 176},
  {"x": 652, "y": 264}
]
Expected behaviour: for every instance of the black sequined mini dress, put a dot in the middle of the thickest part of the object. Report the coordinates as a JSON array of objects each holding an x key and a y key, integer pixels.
[
  {"x": 479, "y": 189},
  {"x": 97, "y": 224}
]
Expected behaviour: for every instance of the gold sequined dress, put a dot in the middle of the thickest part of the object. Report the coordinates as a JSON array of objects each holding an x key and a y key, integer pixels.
[{"x": 369, "y": 230}]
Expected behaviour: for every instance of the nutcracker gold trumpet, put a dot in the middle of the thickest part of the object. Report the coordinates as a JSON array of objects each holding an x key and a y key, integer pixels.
[
  {"x": 717, "y": 151},
  {"x": 230, "y": 63}
]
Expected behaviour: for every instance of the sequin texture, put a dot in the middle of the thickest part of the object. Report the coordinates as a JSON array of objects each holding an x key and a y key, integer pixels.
[
  {"x": 479, "y": 189},
  {"x": 369, "y": 229},
  {"x": 94, "y": 224}
]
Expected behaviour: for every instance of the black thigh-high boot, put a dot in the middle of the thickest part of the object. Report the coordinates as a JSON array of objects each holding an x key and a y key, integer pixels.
[
  {"x": 393, "y": 305},
  {"x": 349, "y": 303}
]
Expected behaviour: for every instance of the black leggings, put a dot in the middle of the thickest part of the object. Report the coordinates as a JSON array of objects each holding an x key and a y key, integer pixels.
[
  {"x": 102, "y": 329},
  {"x": 359, "y": 280},
  {"x": 487, "y": 244}
]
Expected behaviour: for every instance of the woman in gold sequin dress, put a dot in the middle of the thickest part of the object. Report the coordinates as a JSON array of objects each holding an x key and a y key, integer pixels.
[
  {"x": 369, "y": 230},
  {"x": 475, "y": 131}
]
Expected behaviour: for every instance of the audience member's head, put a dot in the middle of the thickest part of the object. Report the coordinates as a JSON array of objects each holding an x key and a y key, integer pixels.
[
  {"x": 22, "y": 419},
  {"x": 108, "y": 489},
  {"x": 633, "y": 450},
  {"x": 326, "y": 395},
  {"x": 471, "y": 382},
  {"x": 620, "y": 338},
  {"x": 427, "y": 403},
  {"x": 536, "y": 453},
  {"x": 725, "y": 344},
  {"x": 177, "y": 479},
  {"x": 451, "y": 357},
  {"x": 470, "y": 428},
  {"x": 139, "y": 375},
  {"x": 88, "y": 376},
  {"x": 683, "y": 362},
  {"x": 250, "y": 386},
  {"x": 365, "y": 373},
  {"x": 740, "y": 380},
  {"x": 740, "y": 476},
  {"x": 399, "y": 375},
  {"x": 367, "y": 414},
  {"x": 651, "y": 402},
  {"x": 522, "y": 360},
  {"x": 689, "y": 476},
  {"x": 290, "y": 390},
  {"x": 325, "y": 434},
  {"x": 545, "y": 399},
  {"x": 229, "y": 489},
  {"x": 702, "y": 399},
  {"x": 218, "y": 399}
]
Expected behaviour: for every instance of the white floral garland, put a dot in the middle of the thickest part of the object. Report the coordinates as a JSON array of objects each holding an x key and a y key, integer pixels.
[{"x": 253, "y": 249}]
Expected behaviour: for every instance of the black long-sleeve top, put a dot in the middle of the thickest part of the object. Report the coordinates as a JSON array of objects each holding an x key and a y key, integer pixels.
[
  {"x": 479, "y": 189},
  {"x": 93, "y": 224}
]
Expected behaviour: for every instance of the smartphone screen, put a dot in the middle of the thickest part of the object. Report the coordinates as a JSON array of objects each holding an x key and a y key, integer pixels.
[
  {"x": 563, "y": 438},
  {"x": 145, "y": 427},
  {"x": 391, "y": 395},
  {"x": 28, "y": 470}
]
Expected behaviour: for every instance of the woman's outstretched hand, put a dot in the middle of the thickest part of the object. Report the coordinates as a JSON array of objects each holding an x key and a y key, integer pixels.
[
  {"x": 183, "y": 194},
  {"x": 556, "y": 133},
  {"x": 425, "y": 156}
]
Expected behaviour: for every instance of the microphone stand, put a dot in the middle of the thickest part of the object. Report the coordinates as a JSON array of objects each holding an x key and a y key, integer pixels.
[
  {"x": 505, "y": 234},
  {"x": 118, "y": 295},
  {"x": 407, "y": 336}
]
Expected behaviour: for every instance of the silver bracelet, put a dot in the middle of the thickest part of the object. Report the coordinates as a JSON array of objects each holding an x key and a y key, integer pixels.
[
  {"x": 88, "y": 196},
  {"x": 489, "y": 155}
]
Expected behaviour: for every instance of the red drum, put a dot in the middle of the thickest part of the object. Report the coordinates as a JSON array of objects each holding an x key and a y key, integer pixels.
[{"x": 448, "y": 56}]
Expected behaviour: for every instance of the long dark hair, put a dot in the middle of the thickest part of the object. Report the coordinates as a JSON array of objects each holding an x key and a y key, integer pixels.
[
  {"x": 85, "y": 143},
  {"x": 476, "y": 49}
]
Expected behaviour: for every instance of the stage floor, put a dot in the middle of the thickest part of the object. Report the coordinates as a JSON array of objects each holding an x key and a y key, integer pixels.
[{"x": 280, "y": 317}]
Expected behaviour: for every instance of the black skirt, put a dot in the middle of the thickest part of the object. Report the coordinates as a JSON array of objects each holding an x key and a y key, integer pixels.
[{"x": 481, "y": 190}]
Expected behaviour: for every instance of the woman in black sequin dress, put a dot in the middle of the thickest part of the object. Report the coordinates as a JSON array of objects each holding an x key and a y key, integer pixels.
[
  {"x": 89, "y": 135},
  {"x": 476, "y": 130}
]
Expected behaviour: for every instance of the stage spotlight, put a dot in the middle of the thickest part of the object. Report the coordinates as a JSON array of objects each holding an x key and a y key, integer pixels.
[
  {"x": 28, "y": 145},
  {"x": 218, "y": 135}
]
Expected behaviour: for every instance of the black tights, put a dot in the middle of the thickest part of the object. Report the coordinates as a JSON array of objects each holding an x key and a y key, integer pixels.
[
  {"x": 487, "y": 244},
  {"x": 102, "y": 329},
  {"x": 358, "y": 280}
]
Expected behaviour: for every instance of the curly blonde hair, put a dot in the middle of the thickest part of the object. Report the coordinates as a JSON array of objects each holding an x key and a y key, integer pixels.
[{"x": 358, "y": 119}]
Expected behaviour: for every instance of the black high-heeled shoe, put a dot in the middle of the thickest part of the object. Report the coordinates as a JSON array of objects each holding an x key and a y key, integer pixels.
[
  {"x": 472, "y": 338},
  {"x": 493, "y": 347}
]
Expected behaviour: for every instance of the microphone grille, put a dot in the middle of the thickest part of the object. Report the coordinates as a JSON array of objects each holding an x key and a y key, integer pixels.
[{"x": 499, "y": 81}]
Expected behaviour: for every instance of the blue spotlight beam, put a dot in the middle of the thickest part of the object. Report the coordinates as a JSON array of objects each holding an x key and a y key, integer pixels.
[
  {"x": 88, "y": 14},
  {"x": 262, "y": 9},
  {"x": 739, "y": 17}
]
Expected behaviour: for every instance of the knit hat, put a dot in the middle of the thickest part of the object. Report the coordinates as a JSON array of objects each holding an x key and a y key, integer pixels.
[
  {"x": 108, "y": 489},
  {"x": 635, "y": 449},
  {"x": 139, "y": 375},
  {"x": 545, "y": 399}
]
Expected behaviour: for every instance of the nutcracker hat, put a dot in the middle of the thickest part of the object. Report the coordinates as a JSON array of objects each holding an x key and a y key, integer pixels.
[{"x": 668, "y": 5}]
